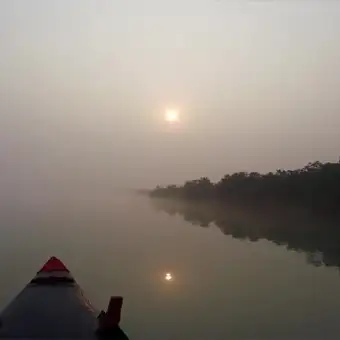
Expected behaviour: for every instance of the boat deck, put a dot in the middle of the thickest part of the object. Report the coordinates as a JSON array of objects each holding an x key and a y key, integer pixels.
[
  {"x": 53, "y": 306},
  {"x": 49, "y": 311}
]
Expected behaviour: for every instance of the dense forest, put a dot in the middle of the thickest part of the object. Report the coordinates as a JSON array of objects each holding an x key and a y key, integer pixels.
[{"x": 315, "y": 186}]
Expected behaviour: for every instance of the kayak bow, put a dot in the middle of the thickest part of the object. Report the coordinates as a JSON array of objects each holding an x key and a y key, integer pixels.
[{"x": 53, "y": 305}]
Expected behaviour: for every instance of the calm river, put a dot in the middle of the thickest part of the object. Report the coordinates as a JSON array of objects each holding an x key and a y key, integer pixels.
[{"x": 182, "y": 275}]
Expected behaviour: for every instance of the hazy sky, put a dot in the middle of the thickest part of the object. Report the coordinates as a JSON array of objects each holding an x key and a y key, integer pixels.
[{"x": 84, "y": 86}]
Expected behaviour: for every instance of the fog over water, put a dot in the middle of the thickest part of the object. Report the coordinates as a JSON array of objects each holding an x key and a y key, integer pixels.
[{"x": 86, "y": 88}]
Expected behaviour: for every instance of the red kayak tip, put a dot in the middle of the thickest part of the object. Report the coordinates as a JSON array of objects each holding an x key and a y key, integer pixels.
[{"x": 54, "y": 265}]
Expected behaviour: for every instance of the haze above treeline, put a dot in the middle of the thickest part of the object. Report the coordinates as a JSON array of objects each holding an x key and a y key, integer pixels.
[{"x": 85, "y": 85}]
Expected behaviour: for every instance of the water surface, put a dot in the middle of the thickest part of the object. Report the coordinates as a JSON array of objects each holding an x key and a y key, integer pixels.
[{"x": 223, "y": 286}]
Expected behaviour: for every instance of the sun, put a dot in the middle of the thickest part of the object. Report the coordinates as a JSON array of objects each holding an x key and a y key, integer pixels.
[
  {"x": 168, "y": 277},
  {"x": 172, "y": 116}
]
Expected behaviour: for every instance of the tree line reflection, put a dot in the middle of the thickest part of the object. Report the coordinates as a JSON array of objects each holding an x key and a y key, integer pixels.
[{"x": 318, "y": 236}]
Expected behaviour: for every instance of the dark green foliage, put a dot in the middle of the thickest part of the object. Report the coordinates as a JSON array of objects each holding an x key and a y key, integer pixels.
[{"x": 315, "y": 186}]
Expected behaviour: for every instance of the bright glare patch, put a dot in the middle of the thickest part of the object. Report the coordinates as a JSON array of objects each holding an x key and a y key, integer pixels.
[
  {"x": 172, "y": 116},
  {"x": 168, "y": 277}
]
